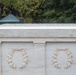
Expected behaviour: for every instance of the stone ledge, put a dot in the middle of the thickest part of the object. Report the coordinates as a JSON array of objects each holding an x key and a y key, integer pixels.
[{"x": 39, "y": 33}]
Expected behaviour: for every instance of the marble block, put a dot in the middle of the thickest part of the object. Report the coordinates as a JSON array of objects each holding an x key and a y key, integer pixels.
[{"x": 37, "y": 45}]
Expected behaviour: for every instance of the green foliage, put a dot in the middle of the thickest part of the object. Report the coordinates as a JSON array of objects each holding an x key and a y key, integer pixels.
[
  {"x": 25, "y": 8},
  {"x": 59, "y": 11},
  {"x": 41, "y": 11},
  {"x": 8, "y": 2}
]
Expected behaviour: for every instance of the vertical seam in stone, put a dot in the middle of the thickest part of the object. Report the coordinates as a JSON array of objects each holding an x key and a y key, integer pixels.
[{"x": 0, "y": 58}]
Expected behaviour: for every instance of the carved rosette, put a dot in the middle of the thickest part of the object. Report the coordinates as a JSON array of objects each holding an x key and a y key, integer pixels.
[
  {"x": 10, "y": 58},
  {"x": 69, "y": 58}
]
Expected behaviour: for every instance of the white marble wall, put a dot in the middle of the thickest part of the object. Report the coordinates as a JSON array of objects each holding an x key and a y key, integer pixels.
[
  {"x": 40, "y": 57},
  {"x": 40, "y": 45}
]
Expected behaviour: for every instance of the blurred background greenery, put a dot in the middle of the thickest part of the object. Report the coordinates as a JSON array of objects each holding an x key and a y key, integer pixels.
[{"x": 40, "y": 11}]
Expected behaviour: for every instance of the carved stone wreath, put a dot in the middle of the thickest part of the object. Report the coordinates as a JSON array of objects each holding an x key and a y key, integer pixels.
[
  {"x": 10, "y": 58},
  {"x": 69, "y": 60}
]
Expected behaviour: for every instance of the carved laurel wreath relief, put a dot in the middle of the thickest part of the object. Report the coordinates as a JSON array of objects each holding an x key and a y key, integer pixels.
[
  {"x": 69, "y": 59},
  {"x": 10, "y": 58}
]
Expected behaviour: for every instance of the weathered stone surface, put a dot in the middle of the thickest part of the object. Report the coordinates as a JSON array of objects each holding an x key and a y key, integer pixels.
[
  {"x": 40, "y": 43},
  {"x": 37, "y": 33},
  {"x": 38, "y": 30}
]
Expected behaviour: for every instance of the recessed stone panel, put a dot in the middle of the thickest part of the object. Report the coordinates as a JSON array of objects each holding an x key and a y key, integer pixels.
[
  {"x": 17, "y": 59},
  {"x": 62, "y": 59}
]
